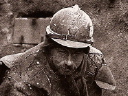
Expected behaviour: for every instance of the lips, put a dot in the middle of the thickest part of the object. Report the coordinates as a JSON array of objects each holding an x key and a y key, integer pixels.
[{"x": 66, "y": 70}]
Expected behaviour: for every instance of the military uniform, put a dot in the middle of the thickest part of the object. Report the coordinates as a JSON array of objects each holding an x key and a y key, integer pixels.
[{"x": 32, "y": 69}]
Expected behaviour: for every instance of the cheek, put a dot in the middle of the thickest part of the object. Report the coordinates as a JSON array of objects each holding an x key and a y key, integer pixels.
[
  {"x": 59, "y": 57},
  {"x": 77, "y": 59}
]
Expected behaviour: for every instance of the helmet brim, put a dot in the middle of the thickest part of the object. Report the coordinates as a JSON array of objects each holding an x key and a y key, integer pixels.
[
  {"x": 71, "y": 44},
  {"x": 67, "y": 43}
]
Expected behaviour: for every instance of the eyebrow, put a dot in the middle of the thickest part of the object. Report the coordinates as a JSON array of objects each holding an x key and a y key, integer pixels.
[
  {"x": 69, "y": 49},
  {"x": 73, "y": 50}
]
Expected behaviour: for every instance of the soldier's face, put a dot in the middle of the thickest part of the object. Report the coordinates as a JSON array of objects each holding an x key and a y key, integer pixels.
[{"x": 66, "y": 60}]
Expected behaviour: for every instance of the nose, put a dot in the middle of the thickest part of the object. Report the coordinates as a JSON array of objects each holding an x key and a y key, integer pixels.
[{"x": 69, "y": 63}]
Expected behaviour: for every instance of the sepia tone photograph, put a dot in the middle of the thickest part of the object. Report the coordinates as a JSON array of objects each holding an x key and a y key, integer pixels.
[{"x": 63, "y": 48}]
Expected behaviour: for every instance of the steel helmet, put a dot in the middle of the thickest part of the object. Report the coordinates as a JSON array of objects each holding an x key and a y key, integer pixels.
[{"x": 71, "y": 27}]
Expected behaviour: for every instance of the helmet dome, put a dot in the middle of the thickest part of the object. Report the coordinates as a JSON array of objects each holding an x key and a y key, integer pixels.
[{"x": 71, "y": 27}]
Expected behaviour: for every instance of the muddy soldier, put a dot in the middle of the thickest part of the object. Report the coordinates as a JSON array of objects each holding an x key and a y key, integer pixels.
[{"x": 65, "y": 64}]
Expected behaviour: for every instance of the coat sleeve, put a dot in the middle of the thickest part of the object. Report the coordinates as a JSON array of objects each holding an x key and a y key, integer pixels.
[{"x": 104, "y": 78}]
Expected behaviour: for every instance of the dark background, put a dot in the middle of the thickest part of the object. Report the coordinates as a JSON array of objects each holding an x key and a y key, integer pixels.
[{"x": 110, "y": 20}]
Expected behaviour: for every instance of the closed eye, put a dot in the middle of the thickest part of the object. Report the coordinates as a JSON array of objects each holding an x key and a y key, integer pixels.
[
  {"x": 61, "y": 50},
  {"x": 78, "y": 51}
]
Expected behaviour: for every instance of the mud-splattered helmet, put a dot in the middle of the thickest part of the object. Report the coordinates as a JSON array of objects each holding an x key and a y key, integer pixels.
[{"x": 71, "y": 27}]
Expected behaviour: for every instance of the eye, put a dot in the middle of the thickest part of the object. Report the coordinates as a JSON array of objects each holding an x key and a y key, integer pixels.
[
  {"x": 61, "y": 51},
  {"x": 78, "y": 52}
]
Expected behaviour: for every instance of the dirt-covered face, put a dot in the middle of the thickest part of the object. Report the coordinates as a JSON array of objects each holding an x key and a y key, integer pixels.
[{"x": 66, "y": 60}]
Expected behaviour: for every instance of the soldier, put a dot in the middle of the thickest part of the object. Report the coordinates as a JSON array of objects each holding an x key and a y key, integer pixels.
[{"x": 65, "y": 64}]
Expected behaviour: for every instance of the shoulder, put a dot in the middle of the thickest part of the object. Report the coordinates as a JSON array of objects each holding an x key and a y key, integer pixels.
[
  {"x": 11, "y": 60},
  {"x": 94, "y": 50},
  {"x": 95, "y": 56}
]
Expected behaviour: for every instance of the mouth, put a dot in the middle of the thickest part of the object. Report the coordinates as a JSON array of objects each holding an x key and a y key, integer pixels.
[{"x": 66, "y": 71}]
